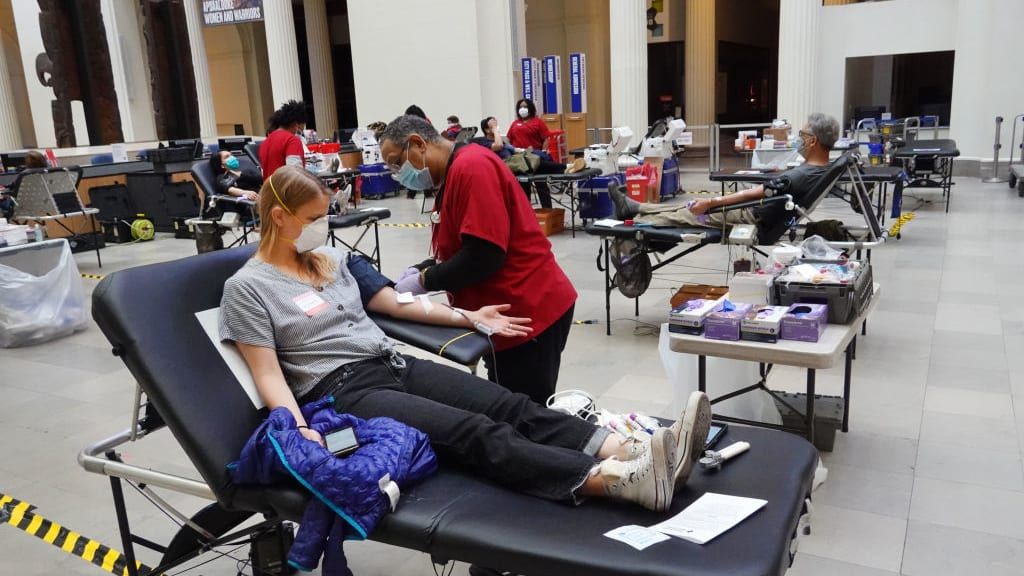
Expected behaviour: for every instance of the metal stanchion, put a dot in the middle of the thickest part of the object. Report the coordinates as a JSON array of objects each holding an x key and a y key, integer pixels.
[{"x": 995, "y": 178}]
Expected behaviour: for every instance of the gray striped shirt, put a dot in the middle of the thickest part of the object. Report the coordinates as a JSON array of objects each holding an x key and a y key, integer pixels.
[{"x": 265, "y": 307}]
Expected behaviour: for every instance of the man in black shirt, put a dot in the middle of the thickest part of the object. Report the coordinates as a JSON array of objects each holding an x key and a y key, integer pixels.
[{"x": 815, "y": 141}]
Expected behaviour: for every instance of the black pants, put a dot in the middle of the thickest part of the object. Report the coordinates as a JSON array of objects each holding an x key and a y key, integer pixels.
[
  {"x": 532, "y": 367},
  {"x": 473, "y": 423},
  {"x": 543, "y": 193}
]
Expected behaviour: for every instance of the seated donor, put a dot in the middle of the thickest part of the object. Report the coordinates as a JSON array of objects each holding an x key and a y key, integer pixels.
[
  {"x": 814, "y": 142},
  {"x": 297, "y": 313},
  {"x": 283, "y": 146},
  {"x": 487, "y": 247},
  {"x": 33, "y": 159},
  {"x": 490, "y": 137},
  {"x": 233, "y": 179},
  {"x": 453, "y": 128}
]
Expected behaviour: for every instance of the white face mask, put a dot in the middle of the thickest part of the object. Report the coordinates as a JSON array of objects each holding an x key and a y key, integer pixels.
[
  {"x": 313, "y": 235},
  {"x": 524, "y": 112}
]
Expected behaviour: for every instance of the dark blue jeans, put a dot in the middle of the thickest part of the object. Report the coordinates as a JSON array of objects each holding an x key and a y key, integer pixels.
[{"x": 473, "y": 423}]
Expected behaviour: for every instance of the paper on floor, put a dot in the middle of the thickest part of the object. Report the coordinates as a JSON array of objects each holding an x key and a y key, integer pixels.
[
  {"x": 709, "y": 516},
  {"x": 636, "y": 536}
]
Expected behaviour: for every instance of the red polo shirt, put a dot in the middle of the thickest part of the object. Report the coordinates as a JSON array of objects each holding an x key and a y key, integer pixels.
[
  {"x": 483, "y": 199},
  {"x": 274, "y": 151},
  {"x": 528, "y": 133}
]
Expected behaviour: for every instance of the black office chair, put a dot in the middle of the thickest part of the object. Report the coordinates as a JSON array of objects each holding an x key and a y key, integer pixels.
[{"x": 465, "y": 135}]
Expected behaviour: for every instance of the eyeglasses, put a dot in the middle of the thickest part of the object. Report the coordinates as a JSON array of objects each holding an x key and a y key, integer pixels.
[
  {"x": 392, "y": 166},
  {"x": 805, "y": 133}
]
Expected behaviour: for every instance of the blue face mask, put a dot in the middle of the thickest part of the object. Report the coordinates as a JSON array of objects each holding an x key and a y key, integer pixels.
[
  {"x": 231, "y": 163},
  {"x": 412, "y": 178}
]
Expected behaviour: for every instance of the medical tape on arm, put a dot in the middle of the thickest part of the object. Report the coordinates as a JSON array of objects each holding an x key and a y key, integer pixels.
[{"x": 427, "y": 305}]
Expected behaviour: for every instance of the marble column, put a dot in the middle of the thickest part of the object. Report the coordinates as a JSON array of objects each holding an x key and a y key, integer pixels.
[
  {"x": 798, "y": 48},
  {"x": 701, "y": 65},
  {"x": 10, "y": 136},
  {"x": 201, "y": 70},
  {"x": 282, "y": 51},
  {"x": 628, "y": 42},
  {"x": 321, "y": 69}
]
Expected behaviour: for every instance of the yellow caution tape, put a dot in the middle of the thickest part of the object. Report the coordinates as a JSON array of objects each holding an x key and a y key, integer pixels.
[
  {"x": 898, "y": 224},
  {"x": 92, "y": 276},
  {"x": 22, "y": 516},
  {"x": 412, "y": 225}
]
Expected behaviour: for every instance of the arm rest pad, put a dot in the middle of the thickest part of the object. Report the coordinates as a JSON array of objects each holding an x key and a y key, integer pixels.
[{"x": 456, "y": 344}]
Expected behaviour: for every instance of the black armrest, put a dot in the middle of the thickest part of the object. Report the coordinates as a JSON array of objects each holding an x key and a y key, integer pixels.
[
  {"x": 456, "y": 344},
  {"x": 783, "y": 198},
  {"x": 233, "y": 199}
]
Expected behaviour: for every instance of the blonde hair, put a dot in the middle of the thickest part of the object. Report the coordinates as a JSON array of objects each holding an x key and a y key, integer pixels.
[{"x": 291, "y": 187}]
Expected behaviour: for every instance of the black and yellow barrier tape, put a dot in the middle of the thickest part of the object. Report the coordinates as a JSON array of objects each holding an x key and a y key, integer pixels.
[
  {"x": 898, "y": 224},
  {"x": 412, "y": 225},
  {"x": 22, "y": 516},
  {"x": 92, "y": 276}
]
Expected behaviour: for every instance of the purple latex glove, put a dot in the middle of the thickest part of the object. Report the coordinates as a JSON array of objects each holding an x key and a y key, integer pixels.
[{"x": 410, "y": 282}]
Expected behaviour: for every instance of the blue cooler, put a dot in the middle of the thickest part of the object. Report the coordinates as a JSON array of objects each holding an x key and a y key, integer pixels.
[
  {"x": 670, "y": 178},
  {"x": 594, "y": 200},
  {"x": 375, "y": 181}
]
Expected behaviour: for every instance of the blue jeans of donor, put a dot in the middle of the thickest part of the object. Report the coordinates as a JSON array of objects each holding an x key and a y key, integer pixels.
[{"x": 472, "y": 423}]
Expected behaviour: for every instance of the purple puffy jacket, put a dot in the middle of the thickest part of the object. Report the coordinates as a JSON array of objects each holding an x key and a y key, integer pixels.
[{"x": 348, "y": 500}]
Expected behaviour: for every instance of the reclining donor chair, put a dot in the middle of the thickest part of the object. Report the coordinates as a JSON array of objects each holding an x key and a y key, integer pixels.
[
  {"x": 661, "y": 240},
  {"x": 451, "y": 516}
]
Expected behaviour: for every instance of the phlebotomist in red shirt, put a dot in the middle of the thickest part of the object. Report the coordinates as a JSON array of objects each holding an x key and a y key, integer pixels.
[
  {"x": 528, "y": 131},
  {"x": 283, "y": 145},
  {"x": 488, "y": 249}
]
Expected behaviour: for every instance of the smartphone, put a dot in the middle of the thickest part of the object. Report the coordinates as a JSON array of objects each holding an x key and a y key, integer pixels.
[
  {"x": 342, "y": 442},
  {"x": 715, "y": 434}
]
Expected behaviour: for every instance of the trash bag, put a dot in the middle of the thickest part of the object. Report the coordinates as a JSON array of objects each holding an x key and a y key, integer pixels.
[
  {"x": 723, "y": 376},
  {"x": 817, "y": 248},
  {"x": 632, "y": 267},
  {"x": 41, "y": 295}
]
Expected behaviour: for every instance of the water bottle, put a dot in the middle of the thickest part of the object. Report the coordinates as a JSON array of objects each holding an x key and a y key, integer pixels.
[{"x": 39, "y": 233}]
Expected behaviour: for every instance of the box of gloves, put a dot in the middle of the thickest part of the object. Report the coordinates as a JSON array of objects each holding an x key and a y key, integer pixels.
[
  {"x": 689, "y": 317},
  {"x": 724, "y": 324},
  {"x": 804, "y": 322},
  {"x": 763, "y": 323}
]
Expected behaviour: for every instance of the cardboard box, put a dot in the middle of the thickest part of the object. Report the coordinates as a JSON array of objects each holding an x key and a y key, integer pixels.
[
  {"x": 763, "y": 323},
  {"x": 778, "y": 133},
  {"x": 725, "y": 324},
  {"x": 804, "y": 322},
  {"x": 551, "y": 220},
  {"x": 693, "y": 291}
]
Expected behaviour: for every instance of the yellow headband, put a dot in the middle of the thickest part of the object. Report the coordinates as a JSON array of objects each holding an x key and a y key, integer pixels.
[{"x": 279, "y": 201}]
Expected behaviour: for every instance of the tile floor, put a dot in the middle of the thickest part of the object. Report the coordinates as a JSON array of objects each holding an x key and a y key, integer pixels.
[{"x": 928, "y": 481}]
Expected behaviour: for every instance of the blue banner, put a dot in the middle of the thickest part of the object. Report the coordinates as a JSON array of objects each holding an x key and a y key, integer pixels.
[
  {"x": 577, "y": 83},
  {"x": 532, "y": 83},
  {"x": 552, "y": 84}
]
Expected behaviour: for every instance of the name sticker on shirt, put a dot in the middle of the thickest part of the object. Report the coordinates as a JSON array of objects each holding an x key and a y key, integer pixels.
[{"x": 310, "y": 303}]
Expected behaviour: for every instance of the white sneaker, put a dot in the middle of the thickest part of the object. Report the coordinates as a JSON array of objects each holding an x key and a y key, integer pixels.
[
  {"x": 690, "y": 433},
  {"x": 633, "y": 448},
  {"x": 646, "y": 480}
]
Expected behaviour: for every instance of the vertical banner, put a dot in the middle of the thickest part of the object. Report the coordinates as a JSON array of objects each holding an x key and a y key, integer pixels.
[
  {"x": 577, "y": 83},
  {"x": 532, "y": 85},
  {"x": 553, "y": 84}
]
